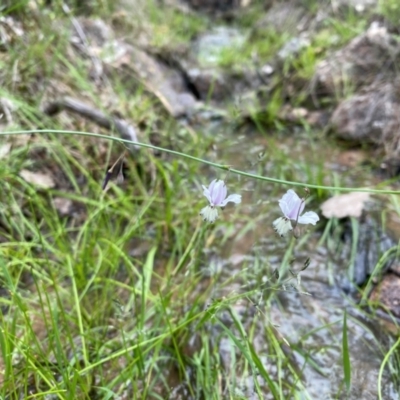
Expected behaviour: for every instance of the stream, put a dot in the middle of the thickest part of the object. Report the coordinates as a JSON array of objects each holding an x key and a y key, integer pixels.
[{"x": 310, "y": 325}]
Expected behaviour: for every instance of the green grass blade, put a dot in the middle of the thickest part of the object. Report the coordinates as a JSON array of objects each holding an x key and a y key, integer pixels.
[
  {"x": 346, "y": 354},
  {"x": 382, "y": 367}
]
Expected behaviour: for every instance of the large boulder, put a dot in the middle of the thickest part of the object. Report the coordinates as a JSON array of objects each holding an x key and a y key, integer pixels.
[
  {"x": 373, "y": 116},
  {"x": 369, "y": 115},
  {"x": 370, "y": 56}
]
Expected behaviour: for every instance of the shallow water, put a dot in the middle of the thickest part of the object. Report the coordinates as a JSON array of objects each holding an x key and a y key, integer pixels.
[{"x": 311, "y": 324}]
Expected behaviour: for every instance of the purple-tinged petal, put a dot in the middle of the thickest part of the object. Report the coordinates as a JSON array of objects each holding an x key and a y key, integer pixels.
[
  {"x": 288, "y": 201},
  {"x": 218, "y": 193},
  {"x": 211, "y": 186},
  {"x": 206, "y": 193},
  {"x": 232, "y": 198},
  {"x": 297, "y": 210},
  {"x": 285, "y": 203},
  {"x": 310, "y": 217},
  {"x": 291, "y": 205}
]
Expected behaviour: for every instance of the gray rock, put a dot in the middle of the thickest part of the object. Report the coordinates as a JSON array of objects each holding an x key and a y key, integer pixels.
[
  {"x": 203, "y": 70},
  {"x": 368, "y": 56},
  {"x": 293, "y": 47},
  {"x": 209, "y": 83},
  {"x": 209, "y": 47},
  {"x": 369, "y": 116}
]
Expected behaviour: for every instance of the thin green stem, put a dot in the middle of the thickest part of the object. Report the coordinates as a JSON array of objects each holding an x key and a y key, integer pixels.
[
  {"x": 383, "y": 364},
  {"x": 215, "y": 165}
]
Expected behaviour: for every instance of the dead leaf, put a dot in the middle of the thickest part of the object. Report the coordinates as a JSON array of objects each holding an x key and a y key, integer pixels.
[
  {"x": 39, "y": 179},
  {"x": 345, "y": 205}
]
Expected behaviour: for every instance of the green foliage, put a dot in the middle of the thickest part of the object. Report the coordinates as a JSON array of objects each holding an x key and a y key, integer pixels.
[
  {"x": 13, "y": 6},
  {"x": 390, "y": 9},
  {"x": 346, "y": 354}
]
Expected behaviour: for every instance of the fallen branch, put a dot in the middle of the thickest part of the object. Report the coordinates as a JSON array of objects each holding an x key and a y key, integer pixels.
[{"x": 126, "y": 130}]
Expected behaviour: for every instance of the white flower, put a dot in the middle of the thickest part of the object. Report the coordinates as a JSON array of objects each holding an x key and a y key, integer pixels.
[
  {"x": 292, "y": 206},
  {"x": 216, "y": 195}
]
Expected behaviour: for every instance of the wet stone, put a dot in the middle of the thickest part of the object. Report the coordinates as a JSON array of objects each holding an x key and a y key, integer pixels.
[
  {"x": 372, "y": 244},
  {"x": 387, "y": 294}
]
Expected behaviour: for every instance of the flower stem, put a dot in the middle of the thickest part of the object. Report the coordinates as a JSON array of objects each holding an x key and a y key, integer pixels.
[{"x": 189, "y": 157}]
